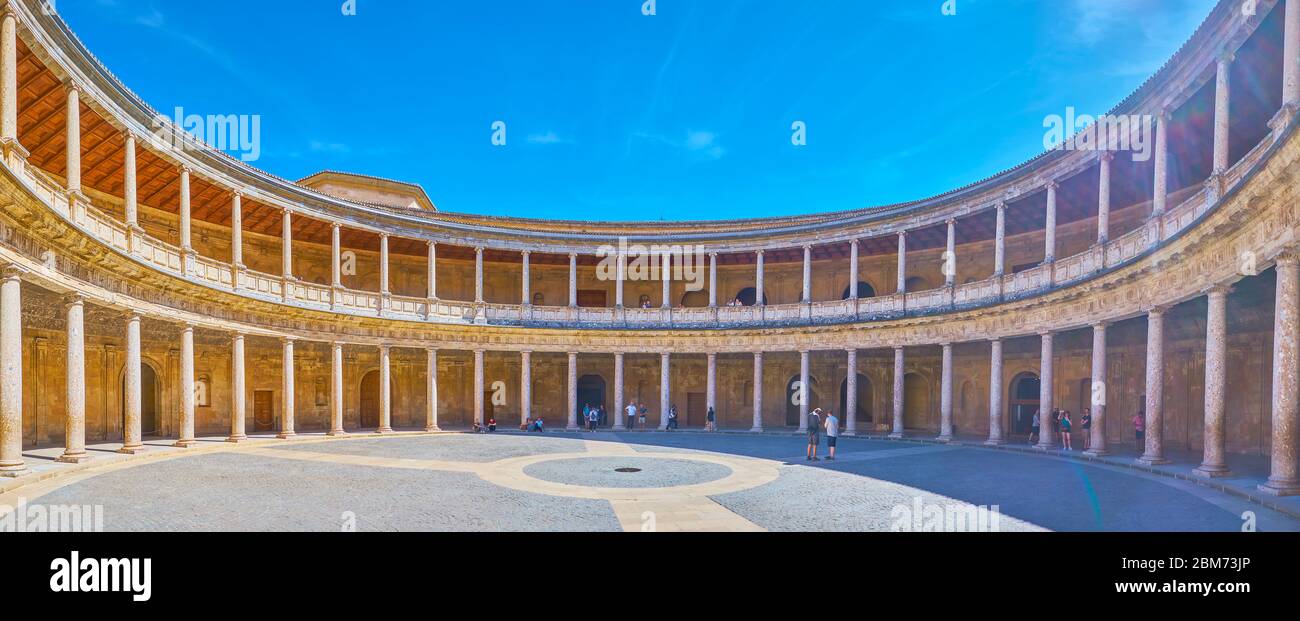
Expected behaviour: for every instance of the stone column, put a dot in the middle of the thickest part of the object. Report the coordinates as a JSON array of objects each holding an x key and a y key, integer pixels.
[
  {"x": 431, "y": 392},
  {"x": 1049, "y": 230},
  {"x": 1160, "y": 191},
  {"x": 902, "y": 262},
  {"x": 385, "y": 391},
  {"x": 478, "y": 387},
  {"x": 286, "y": 248},
  {"x": 336, "y": 256},
  {"x": 620, "y": 423},
  {"x": 573, "y": 280},
  {"x": 573, "y": 392},
  {"x": 807, "y": 274},
  {"x": 236, "y": 237},
  {"x": 129, "y": 188},
  {"x": 336, "y": 389},
  {"x": 850, "y": 414},
  {"x": 620, "y": 276},
  {"x": 1222, "y": 111},
  {"x": 759, "y": 295},
  {"x": 74, "y": 451},
  {"x": 711, "y": 385},
  {"x": 996, "y": 437},
  {"x": 1046, "y": 395},
  {"x": 945, "y": 396},
  {"x": 187, "y": 388},
  {"x": 950, "y": 256},
  {"x": 1000, "y": 243},
  {"x": 805, "y": 359},
  {"x": 1155, "y": 378},
  {"x": 478, "y": 274},
  {"x": 383, "y": 265},
  {"x": 758, "y": 392},
  {"x": 1213, "y": 462},
  {"x": 187, "y": 221},
  {"x": 1291, "y": 56},
  {"x": 900, "y": 372},
  {"x": 1103, "y": 197},
  {"x": 237, "y": 390},
  {"x": 11, "y": 356},
  {"x": 132, "y": 440},
  {"x": 853, "y": 270},
  {"x": 1100, "y": 392},
  {"x": 287, "y": 402},
  {"x": 665, "y": 389},
  {"x": 9, "y": 78},
  {"x": 667, "y": 281},
  {"x": 713, "y": 280},
  {"x": 1284, "y": 479},
  {"x": 433, "y": 271},
  {"x": 526, "y": 281},
  {"x": 73, "y": 146},
  {"x": 525, "y": 386}
]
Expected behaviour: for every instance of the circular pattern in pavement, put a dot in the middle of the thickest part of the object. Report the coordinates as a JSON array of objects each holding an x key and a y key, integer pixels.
[{"x": 627, "y": 472}]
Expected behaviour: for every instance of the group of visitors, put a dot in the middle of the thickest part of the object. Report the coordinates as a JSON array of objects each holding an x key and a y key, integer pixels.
[
  {"x": 634, "y": 411},
  {"x": 533, "y": 424},
  {"x": 1063, "y": 424},
  {"x": 818, "y": 421},
  {"x": 490, "y": 427},
  {"x": 593, "y": 416}
]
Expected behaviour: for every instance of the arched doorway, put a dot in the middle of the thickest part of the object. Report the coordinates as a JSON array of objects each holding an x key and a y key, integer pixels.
[
  {"x": 792, "y": 402},
  {"x": 864, "y": 291},
  {"x": 1024, "y": 402},
  {"x": 749, "y": 296},
  {"x": 916, "y": 401},
  {"x": 864, "y": 401},
  {"x": 150, "y": 398},
  {"x": 591, "y": 391},
  {"x": 369, "y": 406}
]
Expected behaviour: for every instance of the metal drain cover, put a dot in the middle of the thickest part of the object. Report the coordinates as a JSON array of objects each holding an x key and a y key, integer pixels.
[{"x": 627, "y": 470}]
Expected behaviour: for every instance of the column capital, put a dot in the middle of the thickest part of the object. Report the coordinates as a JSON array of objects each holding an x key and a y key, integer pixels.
[
  {"x": 385, "y": 347},
  {"x": 1157, "y": 309},
  {"x": 855, "y": 242},
  {"x": 8, "y": 11},
  {"x": 760, "y": 252},
  {"x": 1100, "y": 325},
  {"x": 1289, "y": 256},
  {"x": 852, "y": 351},
  {"x": 128, "y": 135},
  {"x": 526, "y": 253},
  {"x": 478, "y": 249},
  {"x": 237, "y": 195},
  {"x": 131, "y": 315},
  {"x": 950, "y": 221},
  {"x": 573, "y": 256},
  {"x": 184, "y": 169},
  {"x": 431, "y": 243},
  {"x": 1047, "y": 334},
  {"x": 1220, "y": 290},
  {"x": 713, "y": 255},
  {"x": 525, "y": 352},
  {"x": 336, "y": 225},
  {"x": 286, "y": 211},
  {"x": 288, "y": 340},
  {"x": 902, "y": 234},
  {"x": 9, "y": 271},
  {"x": 383, "y": 236},
  {"x": 1225, "y": 56},
  {"x": 71, "y": 86},
  {"x": 995, "y": 341},
  {"x": 807, "y": 247},
  {"x": 74, "y": 299},
  {"x": 899, "y": 348},
  {"x": 1053, "y": 185},
  {"x": 1106, "y": 156}
]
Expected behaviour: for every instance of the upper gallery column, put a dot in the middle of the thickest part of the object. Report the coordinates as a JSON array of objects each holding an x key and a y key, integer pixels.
[
  {"x": 237, "y": 389},
  {"x": 11, "y": 365},
  {"x": 132, "y": 441},
  {"x": 853, "y": 269},
  {"x": 950, "y": 255},
  {"x": 9, "y": 79},
  {"x": 1284, "y": 479},
  {"x": 620, "y": 275},
  {"x": 1290, "y": 57},
  {"x": 1103, "y": 196},
  {"x": 713, "y": 280},
  {"x": 287, "y": 413},
  {"x": 620, "y": 423},
  {"x": 1045, "y": 394},
  {"x": 1213, "y": 462},
  {"x": 996, "y": 437},
  {"x": 1049, "y": 230},
  {"x": 573, "y": 281},
  {"x": 383, "y": 266},
  {"x": 1222, "y": 111},
  {"x": 758, "y": 392},
  {"x": 850, "y": 413},
  {"x": 1000, "y": 242},
  {"x": 75, "y": 423},
  {"x": 286, "y": 248},
  {"x": 236, "y": 237},
  {"x": 526, "y": 280},
  {"x": 899, "y": 374},
  {"x": 336, "y": 260},
  {"x": 1155, "y": 382},
  {"x": 431, "y": 391},
  {"x": 804, "y": 377},
  {"x": 187, "y": 222},
  {"x": 667, "y": 280},
  {"x": 187, "y": 388},
  {"x": 759, "y": 295},
  {"x": 385, "y": 390},
  {"x": 807, "y": 275},
  {"x": 73, "y": 146},
  {"x": 902, "y": 262},
  {"x": 572, "y": 416},
  {"x": 1100, "y": 392},
  {"x": 478, "y": 274},
  {"x": 945, "y": 396},
  {"x": 1160, "y": 188},
  {"x": 432, "y": 265},
  {"x": 129, "y": 188}
]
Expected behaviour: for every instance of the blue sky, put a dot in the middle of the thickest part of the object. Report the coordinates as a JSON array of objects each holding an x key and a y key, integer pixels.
[{"x": 614, "y": 115}]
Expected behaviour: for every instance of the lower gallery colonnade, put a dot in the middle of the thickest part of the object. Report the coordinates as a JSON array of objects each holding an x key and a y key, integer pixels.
[{"x": 1161, "y": 295}]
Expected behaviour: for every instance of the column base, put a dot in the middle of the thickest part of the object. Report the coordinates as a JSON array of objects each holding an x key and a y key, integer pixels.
[
  {"x": 336, "y": 433},
  {"x": 432, "y": 429},
  {"x": 995, "y": 442},
  {"x": 618, "y": 428},
  {"x": 1152, "y": 460},
  {"x": 1281, "y": 487},
  {"x": 383, "y": 431},
  {"x": 14, "y": 471},
  {"x": 79, "y": 458},
  {"x": 1044, "y": 447},
  {"x": 756, "y": 430},
  {"x": 945, "y": 439},
  {"x": 237, "y": 439},
  {"x": 131, "y": 450},
  {"x": 186, "y": 444},
  {"x": 897, "y": 435},
  {"x": 849, "y": 432},
  {"x": 286, "y": 435},
  {"x": 1212, "y": 472},
  {"x": 1097, "y": 452}
]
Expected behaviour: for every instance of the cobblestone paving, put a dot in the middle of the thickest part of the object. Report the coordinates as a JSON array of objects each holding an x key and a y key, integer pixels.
[
  {"x": 233, "y": 492},
  {"x": 601, "y": 472},
  {"x": 478, "y": 448}
]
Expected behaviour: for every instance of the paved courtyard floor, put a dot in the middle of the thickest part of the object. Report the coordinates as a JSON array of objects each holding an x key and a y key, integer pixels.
[{"x": 618, "y": 482}]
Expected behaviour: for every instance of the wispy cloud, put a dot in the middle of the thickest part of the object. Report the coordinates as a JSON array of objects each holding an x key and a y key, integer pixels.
[
  {"x": 334, "y": 148},
  {"x": 548, "y": 138},
  {"x": 703, "y": 144}
]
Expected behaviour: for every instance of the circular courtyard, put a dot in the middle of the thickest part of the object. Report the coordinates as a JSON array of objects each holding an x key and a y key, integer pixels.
[{"x": 632, "y": 482}]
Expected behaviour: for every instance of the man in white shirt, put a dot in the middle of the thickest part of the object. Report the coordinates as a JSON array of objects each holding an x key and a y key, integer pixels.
[
  {"x": 832, "y": 434},
  {"x": 631, "y": 416}
]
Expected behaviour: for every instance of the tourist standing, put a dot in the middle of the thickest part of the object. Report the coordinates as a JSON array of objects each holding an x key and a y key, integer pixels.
[
  {"x": 1033, "y": 427},
  {"x": 672, "y": 417},
  {"x": 832, "y": 434},
  {"x": 643, "y": 410},
  {"x": 1066, "y": 425},
  {"x": 711, "y": 422},
  {"x": 1140, "y": 431},
  {"x": 1085, "y": 422},
  {"x": 631, "y": 416},
  {"x": 814, "y": 434}
]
